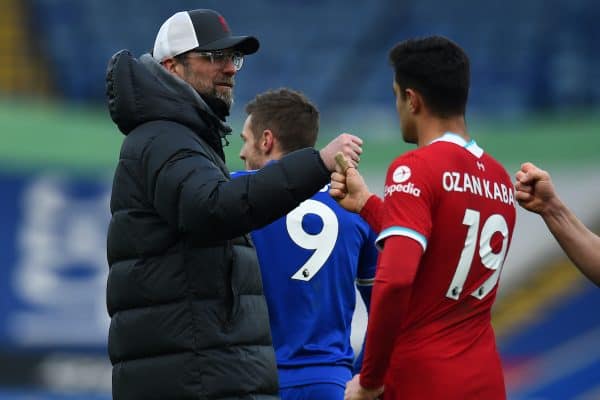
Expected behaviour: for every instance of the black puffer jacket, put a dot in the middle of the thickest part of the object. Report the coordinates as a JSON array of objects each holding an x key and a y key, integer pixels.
[{"x": 188, "y": 316}]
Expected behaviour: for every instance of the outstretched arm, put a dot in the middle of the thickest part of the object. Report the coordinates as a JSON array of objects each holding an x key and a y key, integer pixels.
[{"x": 535, "y": 192}]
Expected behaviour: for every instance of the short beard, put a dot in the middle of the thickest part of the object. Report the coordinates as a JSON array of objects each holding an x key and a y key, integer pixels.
[
  {"x": 227, "y": 98},
  {"x": 207, "y": 89}
]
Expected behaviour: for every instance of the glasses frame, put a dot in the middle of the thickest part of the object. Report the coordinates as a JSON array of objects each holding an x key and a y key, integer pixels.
[{"x": 220, "y": 57}]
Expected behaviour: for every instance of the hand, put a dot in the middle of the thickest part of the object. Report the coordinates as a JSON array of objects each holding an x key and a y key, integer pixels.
[
  {"x": 348, "y": 188},
  {"x": 346, "y": 143},
  {"x": 534, "y": 189},
  {"x": 354, "y": 391}
]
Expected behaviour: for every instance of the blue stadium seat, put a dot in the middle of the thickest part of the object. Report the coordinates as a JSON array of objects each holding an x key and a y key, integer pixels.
[{"x": 337, "y": 52}]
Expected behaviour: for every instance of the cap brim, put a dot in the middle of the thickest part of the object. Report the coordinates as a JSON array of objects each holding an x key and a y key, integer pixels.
[{"x": 245, "y": 44}]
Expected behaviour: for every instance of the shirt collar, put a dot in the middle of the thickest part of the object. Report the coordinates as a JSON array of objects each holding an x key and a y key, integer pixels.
[{"x": 471, "y": 145}]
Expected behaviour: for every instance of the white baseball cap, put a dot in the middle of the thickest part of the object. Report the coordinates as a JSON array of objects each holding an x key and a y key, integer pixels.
[{"x": 200, "y": 29}]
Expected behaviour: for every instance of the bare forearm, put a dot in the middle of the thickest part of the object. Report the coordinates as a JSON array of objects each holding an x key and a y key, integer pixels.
[{"x": 579, "y": 243}]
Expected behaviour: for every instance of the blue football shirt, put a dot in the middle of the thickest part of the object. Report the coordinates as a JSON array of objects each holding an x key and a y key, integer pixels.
[{"x": 310, "y": 261}]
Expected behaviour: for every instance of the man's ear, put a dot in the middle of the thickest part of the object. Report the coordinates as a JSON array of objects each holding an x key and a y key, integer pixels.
[
  {"x": 170, "y": 65},
  {"x": 267, "y": 141},
  {"x": 414, "y": 101}
]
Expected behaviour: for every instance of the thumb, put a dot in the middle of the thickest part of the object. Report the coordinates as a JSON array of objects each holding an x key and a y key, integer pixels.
[
  {"x": 341, "y": 164},
  {"x": 351, "y": 172},
  {"x": 526, "y": 178}
]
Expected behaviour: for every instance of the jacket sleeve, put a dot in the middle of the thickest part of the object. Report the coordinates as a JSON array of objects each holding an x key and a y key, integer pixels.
[{"x": 192, "y": 193}]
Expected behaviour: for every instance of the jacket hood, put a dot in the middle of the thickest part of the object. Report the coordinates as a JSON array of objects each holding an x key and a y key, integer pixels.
[{"x": 142, "y": 90}]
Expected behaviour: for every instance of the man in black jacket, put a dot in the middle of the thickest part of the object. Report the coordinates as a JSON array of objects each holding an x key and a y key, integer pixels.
[{"x": 188, "y": 315}]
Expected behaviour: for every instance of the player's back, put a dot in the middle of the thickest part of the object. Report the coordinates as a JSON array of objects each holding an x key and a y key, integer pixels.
[
  {"x": 310, "y": 260},
  {"x": 464, "y": 211}
]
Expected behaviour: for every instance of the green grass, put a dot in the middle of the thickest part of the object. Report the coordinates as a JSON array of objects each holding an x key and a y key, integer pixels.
[{"x": 83, "y": 140}]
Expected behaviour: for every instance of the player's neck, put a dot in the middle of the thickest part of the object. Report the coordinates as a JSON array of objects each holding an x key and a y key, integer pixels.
[
  {"x": 431, "y": 129},
  {"x": 273, "y": 155}
]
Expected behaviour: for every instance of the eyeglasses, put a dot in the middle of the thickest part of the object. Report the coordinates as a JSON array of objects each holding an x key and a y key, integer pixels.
[{"x": 222, "y": 57}]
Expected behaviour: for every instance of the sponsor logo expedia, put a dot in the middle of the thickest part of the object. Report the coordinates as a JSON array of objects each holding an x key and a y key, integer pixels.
[{"x": 406, "y": 188}]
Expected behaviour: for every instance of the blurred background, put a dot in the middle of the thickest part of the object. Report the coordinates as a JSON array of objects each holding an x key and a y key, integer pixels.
[{"x": 535, "y": 96}]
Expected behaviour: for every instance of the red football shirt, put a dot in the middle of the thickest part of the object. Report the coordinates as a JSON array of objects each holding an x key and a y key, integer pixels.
[{"x": 433, "y": 324}]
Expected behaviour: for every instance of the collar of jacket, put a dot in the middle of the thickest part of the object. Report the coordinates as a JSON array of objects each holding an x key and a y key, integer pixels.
[{"x": 140, "y": 91}]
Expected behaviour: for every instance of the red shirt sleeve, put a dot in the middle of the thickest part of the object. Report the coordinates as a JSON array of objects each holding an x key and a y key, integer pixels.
[
  {"x": 372, "y": 212},
  {"x": 396, "y": 272}
]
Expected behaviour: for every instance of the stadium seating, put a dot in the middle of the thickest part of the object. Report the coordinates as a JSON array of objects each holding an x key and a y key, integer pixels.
[{"x": 336, "y": 51}]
